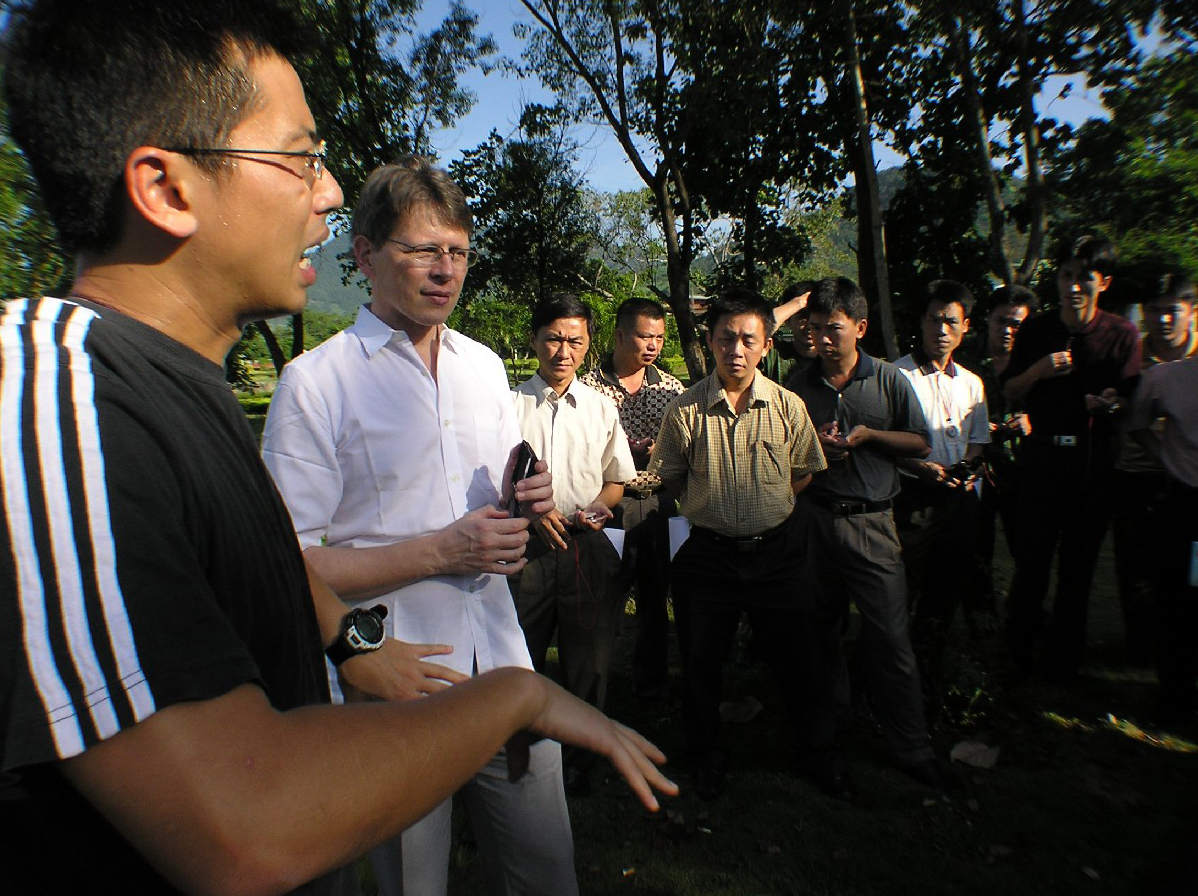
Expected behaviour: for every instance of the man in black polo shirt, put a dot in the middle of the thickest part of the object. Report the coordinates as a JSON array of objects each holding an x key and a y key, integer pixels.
[
  {"x": 1068, "y": 368},
  {"x": 867, "y": 415}
]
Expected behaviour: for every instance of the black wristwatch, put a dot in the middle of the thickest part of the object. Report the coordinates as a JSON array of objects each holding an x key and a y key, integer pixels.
[{"x": 361, "y": 632}]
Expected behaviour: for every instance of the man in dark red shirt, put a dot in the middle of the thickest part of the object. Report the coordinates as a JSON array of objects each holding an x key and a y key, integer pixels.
[{"x": 1067, "y": 369}]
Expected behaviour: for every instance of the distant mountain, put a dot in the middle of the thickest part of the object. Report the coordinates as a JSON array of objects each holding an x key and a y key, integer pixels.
[{"x": 330, "y": 293}]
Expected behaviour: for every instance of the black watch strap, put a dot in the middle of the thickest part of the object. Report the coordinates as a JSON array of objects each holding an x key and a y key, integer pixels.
[{"x": 361, "y": 632}]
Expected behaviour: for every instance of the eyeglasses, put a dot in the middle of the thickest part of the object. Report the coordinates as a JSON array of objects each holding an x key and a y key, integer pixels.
[
  {"x": 313, "y": 159},
  {"x": 427, "y": 256}
]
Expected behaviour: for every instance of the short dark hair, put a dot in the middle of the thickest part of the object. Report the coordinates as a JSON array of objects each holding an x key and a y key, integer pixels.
[
  {"x": 949, "y": 292},
  {"x": 631, "y": 309},
  {"x": 1014, "y": 295},
  {"x": 735, "y": 301},
  {"x": 797, "y": 289},
  {"x": 392, "y": 192},
  {"x": 834, "y": 294},
  {"x": 87, "y": 83},
  {"x": 558, "y": 305},
  {"x": 1097, "y": 253},
  {"x": 1174, "y": 285}
]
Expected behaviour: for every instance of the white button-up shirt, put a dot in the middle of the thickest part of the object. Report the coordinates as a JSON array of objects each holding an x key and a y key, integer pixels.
[
  {"x": 579, "y": 437},
  {"x": 368, "y": 449},
  {"x": 954, "y": 403}
]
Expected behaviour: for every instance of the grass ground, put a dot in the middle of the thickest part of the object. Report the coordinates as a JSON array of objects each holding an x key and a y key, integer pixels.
[{"x": 1086, "y": 798}]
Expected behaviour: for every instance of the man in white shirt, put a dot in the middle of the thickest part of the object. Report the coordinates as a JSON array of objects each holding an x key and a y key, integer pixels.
[
  {"x": 577, "y": 432},
  {"x": 390, "y": 444},
  {"x": 938, "y": 505}
]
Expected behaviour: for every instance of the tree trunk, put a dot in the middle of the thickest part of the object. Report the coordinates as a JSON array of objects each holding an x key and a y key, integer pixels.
[
  {"x": 981, "y": 133},
  {"x": 1031, "y": 148},
  {"x": 297, "y": 335},
  {"x": 678, "y": 276},
  {"x": 272, "y": 346},
  {"x": 869, "y": 206}
]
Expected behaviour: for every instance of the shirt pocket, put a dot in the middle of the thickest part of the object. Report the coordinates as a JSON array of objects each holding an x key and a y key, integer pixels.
[{"x": 769, "y": 462}]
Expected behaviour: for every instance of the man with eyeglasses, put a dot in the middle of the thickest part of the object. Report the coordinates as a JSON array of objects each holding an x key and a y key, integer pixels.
[
  {"x": 389, "y": 443},
  {"x": 161, "y": 676}
]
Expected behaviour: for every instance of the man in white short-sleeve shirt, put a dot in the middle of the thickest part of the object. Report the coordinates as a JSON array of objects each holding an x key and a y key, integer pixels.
[
  {"x": 577, "y": 432},
  {"x": 390, "y": 444},
  {"x": 938, "y": 507}
]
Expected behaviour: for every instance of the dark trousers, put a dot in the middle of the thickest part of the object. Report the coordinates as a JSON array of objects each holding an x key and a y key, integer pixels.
[
  {"x": 936, "y": 529},
  {"x": 574, "y": 593},
  {"x": 713, "y": 581},
  {"x": 999, "y": 501},
  {"x": 1176, "y": 600},
  {"x": 859, "y": 557},
  {"x": 1064, "y": 501},
  {"x": 646, "y": 565},
  {"x": 1137, "y": 498}
]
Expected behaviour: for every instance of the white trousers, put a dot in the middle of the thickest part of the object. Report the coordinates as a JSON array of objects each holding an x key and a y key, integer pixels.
[{"x": 523, "y": 833}]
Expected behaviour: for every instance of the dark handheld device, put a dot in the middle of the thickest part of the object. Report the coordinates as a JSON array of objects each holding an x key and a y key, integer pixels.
[
  {"x": 966, "y": 472},
  {"x": 525, "y": 466}
]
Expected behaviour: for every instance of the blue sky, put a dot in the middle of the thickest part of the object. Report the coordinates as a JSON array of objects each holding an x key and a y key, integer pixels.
[{"x": 501, "y": 96}]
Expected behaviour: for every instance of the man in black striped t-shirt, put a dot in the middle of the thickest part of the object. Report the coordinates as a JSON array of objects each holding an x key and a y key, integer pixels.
[{"x": 160, "y": 635}]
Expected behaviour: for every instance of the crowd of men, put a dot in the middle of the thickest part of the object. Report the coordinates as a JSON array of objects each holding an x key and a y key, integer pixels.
[{"x": 414, "y": 537}]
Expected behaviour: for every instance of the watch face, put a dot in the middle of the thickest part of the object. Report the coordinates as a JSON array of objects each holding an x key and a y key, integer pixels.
[{"x": 369, "y": 627}]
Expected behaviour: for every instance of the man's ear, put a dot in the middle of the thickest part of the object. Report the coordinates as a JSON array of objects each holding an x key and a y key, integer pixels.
[
  {"x": 1104, "y": 282},
  {"x": 364, "y": 256},
  {"x": 862, "y": 326},
  {"x": 162, "y": 188}
]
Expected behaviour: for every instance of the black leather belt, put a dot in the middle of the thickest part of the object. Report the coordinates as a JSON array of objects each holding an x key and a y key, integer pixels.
[
  {"x": 850, "y": 508},
  {"x": 741, "y": 543}
]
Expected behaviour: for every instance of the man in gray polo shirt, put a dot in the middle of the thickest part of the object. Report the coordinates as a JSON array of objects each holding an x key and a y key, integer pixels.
[{"x": 867, "y": 416}]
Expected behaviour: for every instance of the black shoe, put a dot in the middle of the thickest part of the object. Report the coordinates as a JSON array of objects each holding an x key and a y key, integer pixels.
[
  {"x": 834, "y": 785},
  {"x": 932, "y": 775},
  {"x": 577, "y": 781}
]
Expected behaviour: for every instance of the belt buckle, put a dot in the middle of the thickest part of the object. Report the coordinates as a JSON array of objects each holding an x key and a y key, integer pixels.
[
  {"x": 843, "y": 508},
  {"x": 1065, "y": 441}
]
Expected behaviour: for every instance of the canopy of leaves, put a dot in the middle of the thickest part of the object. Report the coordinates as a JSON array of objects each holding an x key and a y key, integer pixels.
[
  {"x": 535, "y": 228},
  {"x": 378, "y": 87},
  {"x": 31, "y": 263},
  {"x": 1136, "y": 175}
]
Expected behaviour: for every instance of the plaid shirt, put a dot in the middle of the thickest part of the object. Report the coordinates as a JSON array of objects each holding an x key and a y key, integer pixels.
[
  {"x": 640, "y": 412},
  {"x": 737, "y": 468}
]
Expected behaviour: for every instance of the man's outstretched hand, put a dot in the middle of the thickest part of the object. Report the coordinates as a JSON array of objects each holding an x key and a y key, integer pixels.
[{"x": 561, "y": 716}]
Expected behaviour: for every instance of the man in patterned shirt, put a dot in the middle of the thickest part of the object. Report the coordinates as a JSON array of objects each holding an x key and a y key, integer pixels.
[
  {"x": 736, "y": 448},
  {"x": 640, "y": 391}
]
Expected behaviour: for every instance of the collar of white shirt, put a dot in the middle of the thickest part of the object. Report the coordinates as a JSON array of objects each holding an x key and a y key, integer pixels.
[{"x": 374, "y": 334}]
